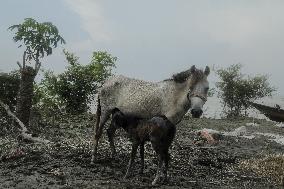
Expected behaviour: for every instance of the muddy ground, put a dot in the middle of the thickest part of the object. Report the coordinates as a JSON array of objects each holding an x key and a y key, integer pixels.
[{"x": 65, "y": 163}]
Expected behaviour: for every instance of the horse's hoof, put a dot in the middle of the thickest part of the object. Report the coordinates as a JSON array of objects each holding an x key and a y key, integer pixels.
[
  {"x": 93, "y": 160},
  {"x": 155, "y": 181}
]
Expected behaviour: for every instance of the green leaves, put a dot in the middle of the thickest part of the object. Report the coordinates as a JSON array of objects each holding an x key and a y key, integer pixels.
[
  {"x": 101, "y": 65},
  {"x": 38, "y": 38}
]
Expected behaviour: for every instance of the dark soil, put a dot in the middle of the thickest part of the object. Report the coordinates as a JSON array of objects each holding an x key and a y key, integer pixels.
[{"x": 66, "y": 162}]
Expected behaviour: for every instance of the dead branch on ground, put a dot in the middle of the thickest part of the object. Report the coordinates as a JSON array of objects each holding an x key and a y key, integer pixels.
[{"x": 24, "y": 130}]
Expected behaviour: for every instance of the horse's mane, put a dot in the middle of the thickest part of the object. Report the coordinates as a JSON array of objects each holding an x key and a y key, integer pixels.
[{"x": 184, "y": 75}]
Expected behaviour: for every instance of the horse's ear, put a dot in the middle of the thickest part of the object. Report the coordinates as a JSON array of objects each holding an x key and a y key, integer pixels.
[
  {"x": 207, "y": 71},
  {"x": 192, "y": 69}
]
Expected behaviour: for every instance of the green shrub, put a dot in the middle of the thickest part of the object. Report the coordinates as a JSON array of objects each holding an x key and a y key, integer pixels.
[
  {"x": 71, "y": 91},
  {"x": 9, "y": 87}
]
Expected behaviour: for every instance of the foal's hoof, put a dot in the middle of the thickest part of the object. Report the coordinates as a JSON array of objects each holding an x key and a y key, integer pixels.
[
  {"x": 154, "y": 183},
  {"x": 115, "y": 158},
  {"x": 92, "y": 162},
  {"x": 126, "y": 176}
]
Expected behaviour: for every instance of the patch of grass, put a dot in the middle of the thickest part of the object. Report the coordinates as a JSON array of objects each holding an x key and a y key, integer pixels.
[{"x": 271, "y": 166}]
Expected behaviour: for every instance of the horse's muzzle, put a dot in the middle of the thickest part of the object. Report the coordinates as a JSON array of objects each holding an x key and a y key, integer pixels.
[{"x": 196, "y": 113}]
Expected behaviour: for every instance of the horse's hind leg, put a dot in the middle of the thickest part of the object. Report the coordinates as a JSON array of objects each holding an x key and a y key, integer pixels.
[{"x": 99, "y": 128}]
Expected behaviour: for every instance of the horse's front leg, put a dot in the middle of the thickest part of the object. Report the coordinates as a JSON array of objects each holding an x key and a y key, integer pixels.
[{"x": 135, "y": 145}]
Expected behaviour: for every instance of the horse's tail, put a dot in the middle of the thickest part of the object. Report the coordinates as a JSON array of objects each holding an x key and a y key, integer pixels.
[{"x": 98, "y": 113}]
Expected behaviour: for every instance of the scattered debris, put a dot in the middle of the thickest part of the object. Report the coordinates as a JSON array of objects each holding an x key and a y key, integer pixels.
[
  {"x": 240, "y": 131},
  {"x": 252, "y": 124},
  {"x": 13, "y": 154},
  {"x": 273, "y": 137}
]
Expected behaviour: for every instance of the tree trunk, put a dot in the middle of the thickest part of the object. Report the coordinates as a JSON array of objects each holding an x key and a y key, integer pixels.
[{"x": 25, "y": 95}]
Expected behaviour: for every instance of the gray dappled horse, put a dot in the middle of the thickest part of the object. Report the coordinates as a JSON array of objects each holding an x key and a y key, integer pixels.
[{"x": 171, "y": 97}]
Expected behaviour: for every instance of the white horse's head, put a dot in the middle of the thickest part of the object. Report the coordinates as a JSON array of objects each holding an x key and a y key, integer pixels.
[{"x": 198, "y": 90}]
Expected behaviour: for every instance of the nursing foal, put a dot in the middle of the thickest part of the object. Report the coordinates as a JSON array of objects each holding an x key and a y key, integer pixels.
[{"x": 158, "y": 130}]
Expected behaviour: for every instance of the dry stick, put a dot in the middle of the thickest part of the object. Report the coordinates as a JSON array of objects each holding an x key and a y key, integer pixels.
[
  {"x": 21, "y": 68},
  {"x": 37, "y": 65},
  {"x": 24, "y": 60},
  {"x": 24, "y": 130}
]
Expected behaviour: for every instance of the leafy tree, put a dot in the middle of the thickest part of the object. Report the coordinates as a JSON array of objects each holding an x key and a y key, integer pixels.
[
  {"x": 74, "y": 88},
  {"x": 38, "y": 39},
  {"x": 237, "y": 90}
]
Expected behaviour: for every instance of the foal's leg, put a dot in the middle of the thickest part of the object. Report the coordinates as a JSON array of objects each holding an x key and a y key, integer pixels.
[
  {"x": 110, "y": 133},
  {"x": 99, "y": 129},
  {"x": 166, "y": 164},
  {"x": 158, "y": 173},
  {"x": 142, "y": 157},
  {"x": 135, "y": 145},
  {"x": 158, "y": 147}
]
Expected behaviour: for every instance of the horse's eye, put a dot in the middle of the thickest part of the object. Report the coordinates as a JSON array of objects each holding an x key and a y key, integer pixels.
[{"x": 206, "y": 89}]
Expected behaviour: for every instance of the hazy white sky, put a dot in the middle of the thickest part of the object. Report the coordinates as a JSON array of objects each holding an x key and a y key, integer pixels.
[{"x": 154, "y": 39}]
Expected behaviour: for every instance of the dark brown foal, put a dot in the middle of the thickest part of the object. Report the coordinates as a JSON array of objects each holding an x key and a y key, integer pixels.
[{"x": 158, "y": 130}]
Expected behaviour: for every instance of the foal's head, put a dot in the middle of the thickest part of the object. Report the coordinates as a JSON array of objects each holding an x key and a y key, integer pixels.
[
  {"x": 198, "y": 87},
  {"x": 119, "y": 119}
]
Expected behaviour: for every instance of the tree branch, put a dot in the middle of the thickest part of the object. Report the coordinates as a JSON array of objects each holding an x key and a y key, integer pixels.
[
  {"x": 37, "y": 66},
  {"x": 24, "y": 130},
  {"x": 19, "y": 64},
  {"x": 24, "y": 60}
]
